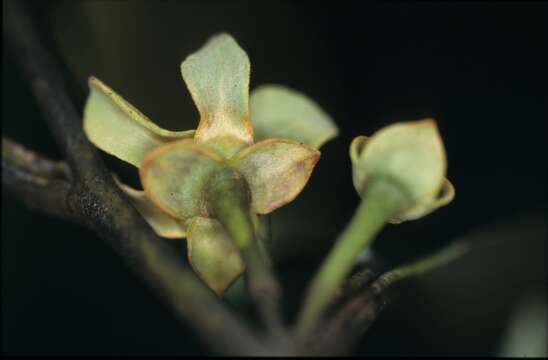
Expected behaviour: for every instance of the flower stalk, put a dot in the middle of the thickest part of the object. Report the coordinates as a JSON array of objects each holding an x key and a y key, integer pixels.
[
  {"x": 229, "y": 199},
  {"x": 383, "y": 199}
]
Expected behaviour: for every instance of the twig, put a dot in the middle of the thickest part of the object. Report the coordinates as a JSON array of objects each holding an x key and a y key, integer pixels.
[
  {"x": 380, "y": 203},
  {"x": 40, "y": 183},
  {"x": 264, "y": 288},
  {"x": 94, "y": 199},
  {"x": 356, "y": 315},
  {"x": 356, "y": 308},
  {"x": 352, "y": 321},
  {"x": 356, "y": 282},
  {"x": 420, "y": 266}
]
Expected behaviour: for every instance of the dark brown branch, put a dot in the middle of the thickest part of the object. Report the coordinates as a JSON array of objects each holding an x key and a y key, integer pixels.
[
  {"x": 41, "y": 184},
  {"x": 359, "y": 304},
  {"x": 94, "y": 199},
  {"x": 88, "y": 195},
  {"x": 355, "y": 283},
  {"x": 33, "y": 163},
  {"x": 352, "y": 320}
]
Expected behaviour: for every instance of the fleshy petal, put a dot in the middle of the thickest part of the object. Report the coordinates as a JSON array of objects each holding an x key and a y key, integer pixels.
[
  {"x": 217, "y": 77},
  {"x": 276, "y": 171},
  {"x": 212, "y": 254},
  {"x": 163, "y": 224},
  {"x": 118, "y": 128},
  {"x": 358, "y": 172},
  {"x": 446, "y": 194},
  {"x": 174, "y": 177},
  {"x": 280, "y": 112},
  {"x": 411, "y": 153}
]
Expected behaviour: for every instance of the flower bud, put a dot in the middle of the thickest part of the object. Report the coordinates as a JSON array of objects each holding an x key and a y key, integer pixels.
[{"x": 411, "y": 157}]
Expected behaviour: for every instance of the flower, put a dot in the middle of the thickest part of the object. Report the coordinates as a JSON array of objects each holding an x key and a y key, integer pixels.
[
  {"x": 410, "y": 156},
  {"x": 182, "y": 172}
]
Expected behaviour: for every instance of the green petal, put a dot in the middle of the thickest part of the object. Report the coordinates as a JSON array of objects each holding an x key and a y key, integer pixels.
[
  {"x": 280, "y": 112},
  {"x": 445, "y": 196},
  {"x": 174, "y": 177},
  {"x": 212, "y": 254},
  {"x": 163, "y": 224},
  {"x": 118, "y": 128},
  {"x": 412, "y": 155},
  {"x": 217, "y": 77},
  {"x": 276, "y": 171},
  {"x": 358, "y": 172}
]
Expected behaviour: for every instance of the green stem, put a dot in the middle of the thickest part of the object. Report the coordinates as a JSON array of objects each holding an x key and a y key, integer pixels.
[
  {"x": 383, "y": 200},
  {"x": 229, "y": 199}
]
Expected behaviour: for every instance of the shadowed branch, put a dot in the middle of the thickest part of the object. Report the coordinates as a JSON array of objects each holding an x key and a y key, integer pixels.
[
  {"x": 93, "y": 199},
  {"x": 81, "y": 189}
]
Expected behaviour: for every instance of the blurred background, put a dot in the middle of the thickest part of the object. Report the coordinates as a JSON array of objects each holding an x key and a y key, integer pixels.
[{"x": 478, "y": 68}]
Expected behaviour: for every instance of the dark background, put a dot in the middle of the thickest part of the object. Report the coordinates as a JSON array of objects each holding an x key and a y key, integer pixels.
[{"x": 478, "y": 68}]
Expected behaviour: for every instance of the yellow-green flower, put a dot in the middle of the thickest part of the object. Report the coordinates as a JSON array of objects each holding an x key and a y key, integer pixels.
[
  {"x": 410, "y": 156},
  {"x": 178, "y": 169}
]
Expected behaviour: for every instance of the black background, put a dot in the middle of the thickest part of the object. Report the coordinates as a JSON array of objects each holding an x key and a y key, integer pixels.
[{"x": 478, "y": 68}]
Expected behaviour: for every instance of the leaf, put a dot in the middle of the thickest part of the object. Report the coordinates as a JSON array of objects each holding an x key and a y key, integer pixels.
[
  {"x": 217, "y": 77},
  {"x": 276, "y": 170},
  {"x": 280, "y": 112},
  {"x": 212, "y": 254},
  {"x": 163, "y": 224},
  {"x": 118, "y": 128},
  {"x": 174, "y": 177}
]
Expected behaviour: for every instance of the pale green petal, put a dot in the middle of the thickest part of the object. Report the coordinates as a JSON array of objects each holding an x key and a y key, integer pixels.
[
  {"x": 358, "y": 172},
  {"x": 276, "y": 171},
  {"x": 212, "y": 254},
  {"x": 280, "y": 112},
  {"x": 118, "y": 128},
  {"x": 445, "y": 196},
  {"x": 217, "y": 77},
  {"x": 174, "y": 177},
  {"x": 410, "y": 154},
  {"x": 163, "y": 224}
]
